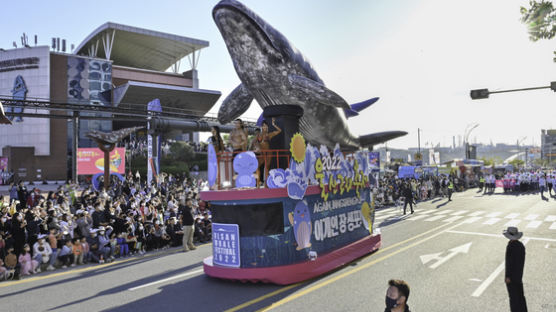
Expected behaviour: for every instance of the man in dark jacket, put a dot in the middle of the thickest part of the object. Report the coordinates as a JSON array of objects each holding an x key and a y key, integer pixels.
[
  {"x": 188, "y": 226},
  {"x": 396, "y": 296},
  {"x": 408, "y": 195},
  {"x": 515, "y": 261}
]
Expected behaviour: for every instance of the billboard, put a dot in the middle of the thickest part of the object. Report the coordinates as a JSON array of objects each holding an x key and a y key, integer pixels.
[{"x": 91, "y": 161}]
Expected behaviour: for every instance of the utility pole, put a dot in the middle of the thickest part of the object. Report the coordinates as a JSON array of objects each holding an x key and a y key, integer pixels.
[{"x": 419, "y": 141}]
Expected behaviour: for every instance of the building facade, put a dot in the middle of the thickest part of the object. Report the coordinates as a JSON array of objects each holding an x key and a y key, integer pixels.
[{"x": 116, "y": 66}]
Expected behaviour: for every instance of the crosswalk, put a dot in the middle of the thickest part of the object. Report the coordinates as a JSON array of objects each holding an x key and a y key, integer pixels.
[{"x": 498, "y": 218}]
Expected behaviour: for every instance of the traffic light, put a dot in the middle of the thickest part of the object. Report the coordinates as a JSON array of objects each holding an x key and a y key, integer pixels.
[
  {"x": 553, "y": 86},
  {"x": 479, "y": 94}
]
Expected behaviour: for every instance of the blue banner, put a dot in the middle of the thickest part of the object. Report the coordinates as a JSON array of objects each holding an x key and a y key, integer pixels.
[
  {"x": 225, "y": 245},
  {"x": 374, "y": 160}
]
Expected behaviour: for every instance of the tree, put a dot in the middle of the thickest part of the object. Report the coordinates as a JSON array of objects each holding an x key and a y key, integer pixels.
[
  {"x": 540, "y": 19},
  {"x": 517, "y": 163},
  {"x": 181, "y": 151}
]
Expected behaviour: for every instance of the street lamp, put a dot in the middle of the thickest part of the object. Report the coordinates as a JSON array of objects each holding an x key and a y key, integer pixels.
[{"x": 479, "y": 94}]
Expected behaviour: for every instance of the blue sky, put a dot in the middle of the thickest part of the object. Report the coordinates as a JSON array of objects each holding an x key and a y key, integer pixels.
[{"x": 420, "y": 57}]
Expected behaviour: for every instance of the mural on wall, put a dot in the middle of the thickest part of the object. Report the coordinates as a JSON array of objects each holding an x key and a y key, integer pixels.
[
  {"x": 89, "y": 80},
  {"x": 19, "y": 92}
]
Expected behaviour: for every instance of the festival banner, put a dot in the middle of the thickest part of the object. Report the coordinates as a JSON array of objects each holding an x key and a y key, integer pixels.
[
  {"x": 91, "y": 161},
  {"x": 374, "y": 160}
]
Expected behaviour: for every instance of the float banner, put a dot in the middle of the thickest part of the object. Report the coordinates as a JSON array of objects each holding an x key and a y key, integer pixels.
[
  {"x": 91, "y": 161},
  {"x": 283, "y": 231},
  {"x": 225, "y": 245}
]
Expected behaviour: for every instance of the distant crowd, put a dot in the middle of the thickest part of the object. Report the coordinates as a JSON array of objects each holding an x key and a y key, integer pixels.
[{"x": 73, "y": 226}]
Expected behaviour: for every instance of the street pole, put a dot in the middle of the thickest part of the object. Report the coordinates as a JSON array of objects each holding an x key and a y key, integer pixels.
[
  {"x": 74, "y": 146},
  {"x": 419, "y": 141}
]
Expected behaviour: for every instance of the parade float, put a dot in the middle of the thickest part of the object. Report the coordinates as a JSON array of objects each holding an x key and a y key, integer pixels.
[
  {"x": 312, "y": 217},
  {"x": 314, "y": 211}
]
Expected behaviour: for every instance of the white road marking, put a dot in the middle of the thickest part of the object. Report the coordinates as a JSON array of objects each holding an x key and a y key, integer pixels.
[
  {"x": 531, "y": 217},
  {"x": 512, "y": 215},
  {"x": 479, "y": 291},
  {"x": 441, "y": 260},
  {"x": 443, "y": 212},
  {"x": 413, "y": 218},
  {"x": 476, "y": 213},
  {"x": 435, "y": 218},
  {"x": 475, "y": 280},
  {"x": 493, "y": 214},
  {"x": 457, "y": 213},
  {"x": 542, "y": 239},
  {"x": 550, "y": 218},
  {"x": 472, "y": 220},
  {"x": 491, "y": 221},
  {"x": 452, "y": 219},
  {"x": 167, "y": 279},
  {"x": 425, "y": 211},
  {"x": 513, "y": 222},
  {"x": 553, "y": 226},
  {"x": 534, "y": 224}
]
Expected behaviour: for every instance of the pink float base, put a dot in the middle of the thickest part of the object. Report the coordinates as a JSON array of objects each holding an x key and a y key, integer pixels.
[{"x": 293, "y": 273}]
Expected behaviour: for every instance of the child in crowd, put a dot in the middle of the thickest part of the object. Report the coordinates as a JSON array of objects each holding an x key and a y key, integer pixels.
[
  {"x": 11, "y": 263},
  {"x": 77, "y": 250},
  {"x": 122, "y": 242},
  {"x": 28, "y": 265},
  {"x": 4, "y": 273},
  {"x": 66, "y": 255}
]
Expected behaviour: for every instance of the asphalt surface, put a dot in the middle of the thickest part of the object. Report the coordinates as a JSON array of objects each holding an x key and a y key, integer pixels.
[{"x": 450, "y": 253}]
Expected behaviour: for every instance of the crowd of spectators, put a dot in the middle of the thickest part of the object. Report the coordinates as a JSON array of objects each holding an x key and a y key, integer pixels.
[
  {"x": 73, "y": 225},
  {"x": 390, "y": 188}
]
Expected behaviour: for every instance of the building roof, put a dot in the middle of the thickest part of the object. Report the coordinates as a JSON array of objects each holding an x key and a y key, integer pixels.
[
  {"x": 173, "y": 98},
  {"x": 140, "y": 48}
]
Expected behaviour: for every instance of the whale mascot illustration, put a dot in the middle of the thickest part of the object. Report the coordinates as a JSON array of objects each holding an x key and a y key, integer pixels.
[{"x": 300, "y": 219}]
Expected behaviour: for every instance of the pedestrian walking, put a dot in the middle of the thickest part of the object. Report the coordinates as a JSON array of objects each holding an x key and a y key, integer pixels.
[
  {"x": 515, "y": 261},
  {"x": 450, "y": 189},
  {"x": 396, "y": 296},
  {"x": 542, "y": 185},
  {"x": 408, "y": 198}
]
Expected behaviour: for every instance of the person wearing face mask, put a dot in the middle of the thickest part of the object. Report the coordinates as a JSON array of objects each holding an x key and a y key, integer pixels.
[{"x": 396, "y": 296}]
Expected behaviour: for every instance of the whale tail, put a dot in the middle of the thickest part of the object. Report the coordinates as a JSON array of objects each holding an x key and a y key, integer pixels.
[{"x": 379, "y": 137}]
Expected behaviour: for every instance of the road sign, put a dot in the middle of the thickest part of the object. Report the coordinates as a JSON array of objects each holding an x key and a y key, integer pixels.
[{"x": 441, "y": 260}]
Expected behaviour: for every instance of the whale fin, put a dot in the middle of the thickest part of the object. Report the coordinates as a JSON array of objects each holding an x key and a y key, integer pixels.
[
  {"x": 350, "y": 113},
  {"x": 235, "y": 104},
  {"x": 358, "y": 107},
  {"x": 379, "y": 137},
  {"x": 313, "y": 89}
]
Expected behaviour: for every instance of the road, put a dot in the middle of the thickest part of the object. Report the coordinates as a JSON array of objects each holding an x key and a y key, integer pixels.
[{"x": 450, "y": 253}]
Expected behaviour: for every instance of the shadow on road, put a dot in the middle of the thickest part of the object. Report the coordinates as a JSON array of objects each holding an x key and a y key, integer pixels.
[
  {"x": 85, "y": 274},
  {"x": 443, "y": 204}
]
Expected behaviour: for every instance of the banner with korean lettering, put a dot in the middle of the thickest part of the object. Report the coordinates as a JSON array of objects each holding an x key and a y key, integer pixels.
[
  {"x": 311, "y": 227},
  {"x": 91, "y": 161}
]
